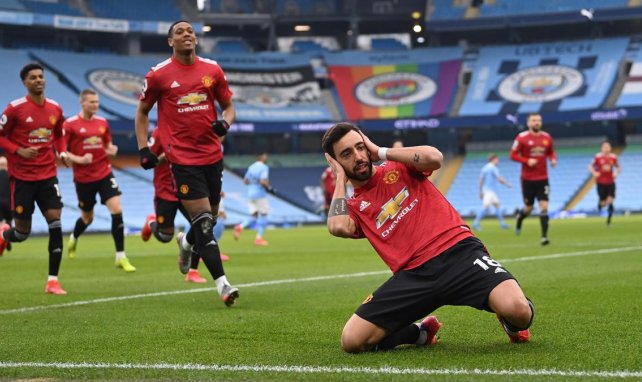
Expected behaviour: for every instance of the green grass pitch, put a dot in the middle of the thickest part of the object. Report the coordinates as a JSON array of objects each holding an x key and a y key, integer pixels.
[{"x": 297, "y": 294}]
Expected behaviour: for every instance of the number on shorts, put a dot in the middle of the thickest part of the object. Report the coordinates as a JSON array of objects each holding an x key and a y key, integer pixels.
[
  {"x": 488, "y": 261},
  {"x": 113, "y": 183},
  {"x": 57, "y": 190}
]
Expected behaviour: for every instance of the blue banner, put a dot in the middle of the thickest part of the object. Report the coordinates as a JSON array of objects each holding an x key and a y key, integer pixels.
[{"x": 552, "y": 77}]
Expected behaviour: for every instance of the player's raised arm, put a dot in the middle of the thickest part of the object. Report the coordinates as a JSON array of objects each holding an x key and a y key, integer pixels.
[
  {"x": 422, "y": 158},
  {"x": 339, "y": 222}
]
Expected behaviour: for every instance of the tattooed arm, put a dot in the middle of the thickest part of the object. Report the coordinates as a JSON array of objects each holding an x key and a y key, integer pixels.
[
  {"x": 421, "y": 158},
  {"x": 339, "y": 222}
]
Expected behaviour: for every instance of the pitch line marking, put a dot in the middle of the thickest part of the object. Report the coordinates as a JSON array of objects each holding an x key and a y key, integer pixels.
[
  {"x": 295, "y": 280},
  {"x": 326, "y": 369}
]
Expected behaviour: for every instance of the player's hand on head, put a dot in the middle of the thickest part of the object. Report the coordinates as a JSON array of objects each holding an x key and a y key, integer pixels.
[
  {"x": 147, "y": 159},
  {"x": 372, "y": 148},
  {"x": 336, "y": 167}
]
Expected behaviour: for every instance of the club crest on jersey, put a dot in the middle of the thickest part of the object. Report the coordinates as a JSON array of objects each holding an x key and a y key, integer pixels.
[
  {"x": 207, "y": 81},
  {"x": 392, "y": 207},
  {"x": 391, "y": 177},
  {"x": 102, "y": 129},
  {"x": 545, "y": 142},
  {"x": 192, "y": 99},
  {"x": 53, "y": 120},
  {"x": 184, "y": 189}
]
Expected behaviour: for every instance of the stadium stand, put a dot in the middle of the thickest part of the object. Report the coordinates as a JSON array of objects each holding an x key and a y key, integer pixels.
[
  {"x": 387, "y": 44},
  {"x": 136, "y": 10},
  {"x": 12, "y": 5},
  {"x": 56, "y": 7}
]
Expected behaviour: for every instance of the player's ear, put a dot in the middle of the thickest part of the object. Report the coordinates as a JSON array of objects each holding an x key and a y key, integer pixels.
[{"x": 170, "y": 42}]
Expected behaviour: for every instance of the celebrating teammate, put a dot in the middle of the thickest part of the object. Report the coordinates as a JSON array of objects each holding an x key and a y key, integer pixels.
[
  {"x": 434, "y": 257},
  {"x": 29, "y": 128},
  {"x": 489, "y": 180},
  {"x": 605, "y": 168},
  {"x": 185, "y": 87},
  {"x": 89, "y": 142},
  {"x": 532, "y": 148},
  {"x": 166, "y": 204}
]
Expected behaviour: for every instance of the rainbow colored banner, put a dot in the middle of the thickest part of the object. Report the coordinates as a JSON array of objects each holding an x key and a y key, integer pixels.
[{"x": 396, "y": 91}]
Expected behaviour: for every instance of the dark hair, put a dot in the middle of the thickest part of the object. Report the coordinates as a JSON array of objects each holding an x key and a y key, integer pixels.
[
  {"x": 171, "y": 27},
  {"x": 532, "y": 115},
  {"x": 336, "y": 132},
  {"x": 24, "y": 72}
]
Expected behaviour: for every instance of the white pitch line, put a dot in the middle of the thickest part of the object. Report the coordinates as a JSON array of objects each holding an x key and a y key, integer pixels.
[
  {"x": 295, "y": 280},
  {"x": 327, "y": 369}
]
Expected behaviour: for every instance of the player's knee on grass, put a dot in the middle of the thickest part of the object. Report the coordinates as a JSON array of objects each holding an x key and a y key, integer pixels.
[{"x": 351, "y": 343}]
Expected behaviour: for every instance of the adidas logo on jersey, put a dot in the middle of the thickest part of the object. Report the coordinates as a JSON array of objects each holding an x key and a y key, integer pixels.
[
  {"x": 174, "y": 85},
  {"x": 29, "y": 119},
  {"x": 363, "y": 205},
  {"x": 82, "y": 130},
  {"x": 500, "y": 270}
]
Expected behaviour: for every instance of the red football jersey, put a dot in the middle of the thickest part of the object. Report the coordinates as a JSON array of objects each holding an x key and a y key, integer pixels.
[
  {"x": 185, "y": 95},
  {"x": 604, "y": 164},
  {"x": 405, "y": 218},
  {"x": 88, "y": 136},
  {"x": 540, "y": 147},
  {"x": 329, "y": 181},
  {"x": 27, "y": 124},
  {"x": 163, "y": 178}
]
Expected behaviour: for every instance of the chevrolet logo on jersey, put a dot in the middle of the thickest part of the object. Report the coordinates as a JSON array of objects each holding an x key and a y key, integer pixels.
[
  {"x": 39, "y": 135},
  {"x": 192, "y": 99},
  {"x": 392, "y": 207}
]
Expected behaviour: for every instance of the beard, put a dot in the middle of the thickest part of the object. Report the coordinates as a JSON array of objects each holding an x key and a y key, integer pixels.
[{"x": 360, "y": 176}]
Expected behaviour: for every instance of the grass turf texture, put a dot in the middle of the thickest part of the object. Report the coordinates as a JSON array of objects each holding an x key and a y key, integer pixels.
[{"x": 588, "y": 310}]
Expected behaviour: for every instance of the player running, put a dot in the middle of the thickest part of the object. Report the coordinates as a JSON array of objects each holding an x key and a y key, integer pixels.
[
  {"x": 185, "y": 87},
  {"x": 605, "y": 168},
  {"x": 30, "y": 127},
  {"x": 532, "y": 148},
  {"x": 89, "y": 142}
]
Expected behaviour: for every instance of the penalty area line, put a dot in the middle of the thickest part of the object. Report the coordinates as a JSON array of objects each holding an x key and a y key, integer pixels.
[
  {"x": 295, "y": 280},
  {"x": 325, "y": 369}
]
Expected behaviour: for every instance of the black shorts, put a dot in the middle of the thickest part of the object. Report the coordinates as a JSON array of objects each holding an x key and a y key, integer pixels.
[
  {"x": 26, "y": 193},
  {"x": 166, "y": 212},
  {"x": 197, "y": 182},
  {"x": 605, "y": 190},
  {"x": 463, "y": 275},
  {"x": 107, "y": 187},
  {"x": 532, "y": 189}
]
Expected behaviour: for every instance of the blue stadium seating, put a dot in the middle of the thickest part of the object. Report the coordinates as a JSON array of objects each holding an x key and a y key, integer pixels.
[
  {"x": 305, "y": 46},
  {"x": 12, "y": 5},
  {"x": 59, "y": 7},
  {"x": 387, "y": 44},
  {"x": 449, "y": 9},
  {"x": 231, "y": 46},
  {"x": 136, "y": 10},
  {"x": 13, "y": 88}
]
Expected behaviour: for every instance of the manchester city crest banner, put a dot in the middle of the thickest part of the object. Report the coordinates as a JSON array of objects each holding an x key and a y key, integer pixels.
[{"x": 559, "y": 76}]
